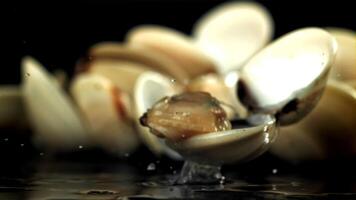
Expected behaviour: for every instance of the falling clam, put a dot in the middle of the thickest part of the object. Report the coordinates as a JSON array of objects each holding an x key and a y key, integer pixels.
[
  {"x": 272, "y": 81},
  {"x": 233, "y": 32}
]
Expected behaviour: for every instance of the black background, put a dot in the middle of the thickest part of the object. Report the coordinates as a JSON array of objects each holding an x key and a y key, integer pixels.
[{"x": 57, "y": 33}]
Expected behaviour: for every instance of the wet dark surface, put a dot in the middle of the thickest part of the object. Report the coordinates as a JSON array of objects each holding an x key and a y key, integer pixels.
[{"x": 32, "y": 174}]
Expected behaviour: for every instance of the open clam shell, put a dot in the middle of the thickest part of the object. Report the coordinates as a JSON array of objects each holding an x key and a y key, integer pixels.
[
  {"x": 288, "y": 76},
  {"x": 152, "y": 60},
  {"x": 173, "y": 45},
  {"x": 52, "y": 114},
  {"x": 149, "y": 88},
  {"x": 104, "y": 106},
  {"x": 233, "y": 32},
  {"x": 344, "y": 67},
  {"x": 327, "y": 132},
  {"x": 12, "y": 113},
  {"x": 239, "y": 144}
]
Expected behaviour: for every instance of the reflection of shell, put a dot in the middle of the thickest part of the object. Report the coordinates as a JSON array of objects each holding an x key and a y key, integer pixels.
[
  {"x": 173, "y": 45},
  {"x": 104, "y": 107},
  {"x": 329, "y": 130},
  {"x": 233, "y": 32},
  {"x": 344, "y": 67},
  {"x": 12, "y": 112},
  {"x": 51, "y": 113},
  {"x": 117, "y": 52},
  {"x": 288, "y": 76},
  {"x": 149, "y": 88},
  {"x": 236, "y": 145}
]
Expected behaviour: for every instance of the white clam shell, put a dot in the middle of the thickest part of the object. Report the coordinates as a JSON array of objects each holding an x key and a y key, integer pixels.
[
  {"x": 12, "y": 113},
  {"x": 344, "y": 67},
  {"x": 174, "y": 45},
  {"x": 288, "y": 76},
  {"x": 236, "y": 145},
  {"x": 149, "y": 88},
  {"x": 327, "y": 132},
  {"x": 52, "y": 114},
  {"x": 104, "y": 106},
  {"x": 233, "y": 32}
]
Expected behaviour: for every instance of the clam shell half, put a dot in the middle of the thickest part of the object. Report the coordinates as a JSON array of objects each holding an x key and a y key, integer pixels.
[
  {"x": 288, "y": 76},
  {"x": 236, "y": 145},
  {"x": 104, "y": 106},
  {"x": 233, "y": 32},
  {"x": 149, "y": 88},
  {"x": 173, "y": 45},
  {"x": 327, "y": 132},
  {"x": 51, "y": 112}
]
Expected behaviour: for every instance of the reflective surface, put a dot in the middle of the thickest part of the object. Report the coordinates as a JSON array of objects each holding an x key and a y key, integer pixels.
[{"x": 29, "y": 174}]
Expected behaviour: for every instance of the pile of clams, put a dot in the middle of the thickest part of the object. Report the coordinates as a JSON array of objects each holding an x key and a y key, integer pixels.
[{"x": 225, "y": 94}]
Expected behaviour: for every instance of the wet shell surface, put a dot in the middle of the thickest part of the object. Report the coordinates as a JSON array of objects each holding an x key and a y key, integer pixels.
[
  {"x": 174, "y": 45},
  {"x": 104, "y": 106},
  {"x": 52, "y": 115},
  {"x": 287, "y": 78},
  {"x": 220, "y": 88},
  {"x": 327, "y": 132},
  {"x": 233, "y": 32}
]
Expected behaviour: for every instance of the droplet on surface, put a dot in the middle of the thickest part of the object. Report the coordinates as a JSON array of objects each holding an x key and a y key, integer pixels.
[
  {"x": 151, "y": 167},
  {"x": 275, "y": 171}
]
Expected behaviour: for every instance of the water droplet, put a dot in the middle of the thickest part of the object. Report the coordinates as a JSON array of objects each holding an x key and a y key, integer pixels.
[
  {"x": 275, "y": 171},
  {"x": 41, "y": 154},
  {"x": 222, "y": 180},
  {"x": 22, "y": 145},
  {"x": 151, "y": 167},
  {"x": 127, "y": 155},
  {"x": 274, "y": 187},
  {"x": 173, "y": 80},
  {"x": 6, "y": 139},
  {"x": 80, "y": 147}
]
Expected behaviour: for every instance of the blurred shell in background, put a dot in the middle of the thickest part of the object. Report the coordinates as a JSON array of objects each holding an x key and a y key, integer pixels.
[
  {"x": 104, "y": 106},
  {"x": 172, "y": 44},
  {"x": 51, "y": 112},
  {"x": 233, "y": 32}
]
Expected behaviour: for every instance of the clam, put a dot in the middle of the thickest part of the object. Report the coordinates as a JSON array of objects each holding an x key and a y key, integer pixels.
[
  {"x": 149, "y": 88},
  {"x": 117, "y": 52},
  {"x": 233, "y": 32},
  {"x": 104, "y": 106},
  {"x": 286, "y": 79},
  {"x": 174, "y": 45},
  {"x": 195, "y": 125},
  {"x": 344, "y": 67},
  {"x": 327, "y": 132},
  {"x": 11, "y": 107},
  {"x": 52, "y": 115},
  {"x": 223, "y": 89}
]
